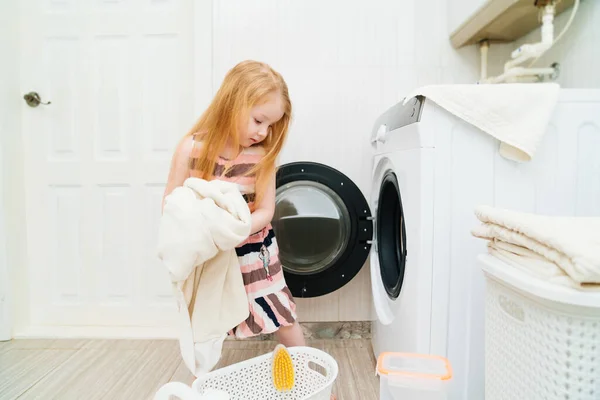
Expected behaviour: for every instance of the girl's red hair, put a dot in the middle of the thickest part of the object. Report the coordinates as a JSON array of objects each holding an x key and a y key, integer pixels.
[{"x": 245, "y": 86}]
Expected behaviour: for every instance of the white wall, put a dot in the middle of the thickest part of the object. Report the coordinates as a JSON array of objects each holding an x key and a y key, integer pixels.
[
  {"x": 345, "y": 61},
  {"x": 578, "y": 51},
  {"x": 11, "y": 170}
]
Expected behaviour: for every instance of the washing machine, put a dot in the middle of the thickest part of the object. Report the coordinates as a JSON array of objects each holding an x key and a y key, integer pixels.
[
  {"x": 430, "y": 169},
  {"x": 323, "y": 221}
]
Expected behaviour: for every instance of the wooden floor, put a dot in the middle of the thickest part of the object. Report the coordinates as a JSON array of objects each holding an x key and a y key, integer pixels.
[{"x": 135, "y": 369}]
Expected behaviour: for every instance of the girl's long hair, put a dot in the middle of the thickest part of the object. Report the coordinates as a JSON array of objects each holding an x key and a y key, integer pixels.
[{"x": 245, "y": 86}]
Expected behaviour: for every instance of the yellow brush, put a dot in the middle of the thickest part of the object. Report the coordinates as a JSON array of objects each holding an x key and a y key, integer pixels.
[{"x": 283, "y": 369}]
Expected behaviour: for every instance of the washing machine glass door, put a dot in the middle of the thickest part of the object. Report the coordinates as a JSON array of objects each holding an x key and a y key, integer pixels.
[
  {"x": 388, "y": 258},
  {"x": 316, "y": 214},
  {"x": 323, "y": 228}
]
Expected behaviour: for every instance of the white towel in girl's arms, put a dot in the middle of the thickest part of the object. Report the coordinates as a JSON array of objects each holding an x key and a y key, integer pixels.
[
  {"x": 201, "y": 225},
  {"x": 517, "y": 114},
  {"x": 538, "y": 242}
]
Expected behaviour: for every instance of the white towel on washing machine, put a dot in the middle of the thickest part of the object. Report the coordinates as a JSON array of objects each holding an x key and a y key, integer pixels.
[{"x": 517, "y": 114}]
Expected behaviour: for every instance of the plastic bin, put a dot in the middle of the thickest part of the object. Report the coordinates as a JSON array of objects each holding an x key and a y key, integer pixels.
[
  {"x": 542, "y": 341},
  {"x": 413, "y": 376}
]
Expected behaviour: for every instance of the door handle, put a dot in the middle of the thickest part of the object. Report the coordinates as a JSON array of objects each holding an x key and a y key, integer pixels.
[
  {"x": 381, "y": 134},
  {"x": 33, "y": 99}
]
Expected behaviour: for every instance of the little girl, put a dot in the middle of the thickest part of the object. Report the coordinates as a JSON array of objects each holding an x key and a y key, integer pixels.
[{"x": 238, "y": 139}]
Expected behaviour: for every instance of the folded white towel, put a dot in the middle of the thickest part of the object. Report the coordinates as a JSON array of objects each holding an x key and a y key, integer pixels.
[
  {"x": 564, "y": 250},
  {"x": 533, "y": 264},
  {"x": 517, "y": 114}
]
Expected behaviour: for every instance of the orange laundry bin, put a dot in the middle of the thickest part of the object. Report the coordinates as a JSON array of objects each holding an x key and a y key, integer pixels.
[{"x": 406, "y": 376}]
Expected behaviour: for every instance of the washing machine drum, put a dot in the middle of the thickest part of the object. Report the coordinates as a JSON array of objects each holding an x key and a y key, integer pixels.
[{"x": 323, "y": 227}]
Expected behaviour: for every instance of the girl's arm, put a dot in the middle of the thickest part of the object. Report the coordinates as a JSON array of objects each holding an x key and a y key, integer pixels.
[
  {"x": 263, "y": 213},
  {"x": 179, "y": 171}
]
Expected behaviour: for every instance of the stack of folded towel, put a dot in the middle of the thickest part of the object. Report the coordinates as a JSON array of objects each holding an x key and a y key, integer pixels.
[{"x": 561, "y": 250}]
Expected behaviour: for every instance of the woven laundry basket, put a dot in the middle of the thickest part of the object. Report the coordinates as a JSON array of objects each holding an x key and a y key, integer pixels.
[
  {"x": 315, "y": 373},
  {"x": 542, "y": 341}
]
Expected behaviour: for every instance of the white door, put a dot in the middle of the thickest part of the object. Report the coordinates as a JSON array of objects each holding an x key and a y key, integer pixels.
[{"x": 120, "y": 79}]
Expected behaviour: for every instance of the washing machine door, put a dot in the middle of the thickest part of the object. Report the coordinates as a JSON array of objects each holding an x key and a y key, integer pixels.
[
  {"x": 388, "y": 254},
  {"x": 323, "y": 227}
]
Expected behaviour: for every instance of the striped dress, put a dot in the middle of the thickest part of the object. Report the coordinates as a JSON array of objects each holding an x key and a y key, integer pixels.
[{"x": 270, "y": 301}]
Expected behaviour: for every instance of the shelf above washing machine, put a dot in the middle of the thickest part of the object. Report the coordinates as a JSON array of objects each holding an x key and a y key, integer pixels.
[{"x": 501, "y": 21}]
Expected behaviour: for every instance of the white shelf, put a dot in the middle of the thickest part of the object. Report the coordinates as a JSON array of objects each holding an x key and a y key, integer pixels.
[{"x": 501, "y": 21}]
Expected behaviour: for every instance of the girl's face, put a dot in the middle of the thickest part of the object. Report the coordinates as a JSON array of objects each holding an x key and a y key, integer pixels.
[{"x": 261, "y": 118}]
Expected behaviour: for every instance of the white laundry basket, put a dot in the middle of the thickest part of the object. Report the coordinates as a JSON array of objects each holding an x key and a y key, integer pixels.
[
  {"x": 315, "y": 373},
  {"x": 541, "y": 341}
]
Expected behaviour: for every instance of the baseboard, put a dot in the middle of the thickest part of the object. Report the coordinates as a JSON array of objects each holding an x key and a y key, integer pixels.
[
  {"x": 337, "y": 330},
  {"x": 96, "y": 332},
  {"x": 312, "y": 330},
  {"x": 329, "y": 330}
]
